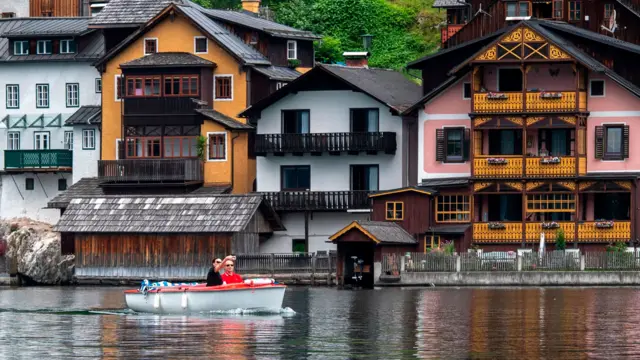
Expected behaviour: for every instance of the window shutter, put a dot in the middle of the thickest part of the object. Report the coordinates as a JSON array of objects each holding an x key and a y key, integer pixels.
[
  {"x": 439, "y": 144},
  {"x": 625, "y": 142},
  {"x": 120, "y": 154},
  {"x": 599, "y": 142},
  {"x": 466, "y": 144}
]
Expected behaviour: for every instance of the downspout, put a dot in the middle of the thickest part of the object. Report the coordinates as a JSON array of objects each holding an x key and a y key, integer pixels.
[{"x": 233, "y": 159}]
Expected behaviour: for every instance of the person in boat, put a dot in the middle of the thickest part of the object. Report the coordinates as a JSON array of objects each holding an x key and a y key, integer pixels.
[
  {"x": 229, "y": 276},
  {"x": 213, "y": 277}
]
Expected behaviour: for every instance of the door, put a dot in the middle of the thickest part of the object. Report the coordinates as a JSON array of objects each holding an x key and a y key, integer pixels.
[{"x": 364, "y": 177}]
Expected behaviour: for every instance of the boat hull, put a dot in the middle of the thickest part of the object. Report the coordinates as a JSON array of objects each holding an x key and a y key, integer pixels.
[{"x": 203, "y": 299}]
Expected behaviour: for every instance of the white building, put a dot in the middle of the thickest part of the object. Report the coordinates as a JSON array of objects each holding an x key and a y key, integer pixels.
[
  {"x": 47, "y": 124},
  {"x": 324, "y": 142},
  {"x": 14, "y": 8}
]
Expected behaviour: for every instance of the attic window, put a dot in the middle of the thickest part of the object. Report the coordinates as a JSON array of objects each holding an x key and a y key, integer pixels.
[
  {"x": 150, "y": 46},
  {"x": 292, "y": 50},
  {"x": 200, "y": 44},
  {"x": 67, "y": 46},
  {"x": 20, "y": 48},
  {"x": 6, "y": 15},
  {"x": 44, "y": 47}
]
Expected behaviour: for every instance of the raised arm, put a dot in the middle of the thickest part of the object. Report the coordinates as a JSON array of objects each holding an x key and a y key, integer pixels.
[{"x": 224, "y": 261}]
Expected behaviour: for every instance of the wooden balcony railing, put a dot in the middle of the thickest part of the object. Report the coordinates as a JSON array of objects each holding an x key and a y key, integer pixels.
[
  {"x": 511, "y": 169},
  {"x": 37, "y": 159},
  {"x": 318, "y": 200},
  {"x": 326, "y": 142},
  {"x": 535, "y": 167},
  {"x": 448, "y": 31},
  {"x": 589, "y": 232},
  {"x": 533, "y": 230},
  {"x": 159, "y": 106},
  {"x": 511, "y": 102},
  {"x": 512, "y": 232},
  {"x": 150, "y": 170}
]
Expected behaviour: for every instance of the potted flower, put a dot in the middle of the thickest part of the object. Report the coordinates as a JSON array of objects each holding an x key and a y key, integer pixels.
[
  {"x": 496, "y": 161},
  {"x": 497, "y": 226},
  {"x": 550, "y": 160},
  {"x": 604, "y": 224},
  {"x": 550, "y": 225},
  {"x": 496, "y": 96},
  {"x": 550, "y": 95}
]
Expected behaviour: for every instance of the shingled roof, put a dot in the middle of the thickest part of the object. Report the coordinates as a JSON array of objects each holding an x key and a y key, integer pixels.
[
  {"x": 224, "y": 120},
  {"x": 278, "y": 73},
  {"x": 128, "y": 12},
  {"x": 168, "y": 59},
  {"x": 86, "y": 115},
  {"x": 163, "y": 214},
  {"x": 449, "y": 3},
  {"x": 381, "y": 232},
  {"x": 57, "y": 26}
]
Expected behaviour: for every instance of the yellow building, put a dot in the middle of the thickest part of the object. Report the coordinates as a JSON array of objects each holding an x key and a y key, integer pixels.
[{"x": 172, "y": 90}]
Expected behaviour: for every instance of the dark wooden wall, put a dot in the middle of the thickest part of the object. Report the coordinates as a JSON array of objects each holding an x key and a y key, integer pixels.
[
  {"x": 278, "y": 52},
  {"x": 260, "y": 87},
  {"x": 56, "y": 8},
  {"x": 417, "y": 210}
]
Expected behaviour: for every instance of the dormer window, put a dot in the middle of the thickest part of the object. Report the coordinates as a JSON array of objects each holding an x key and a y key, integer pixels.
[
  {"x": 67, "y": 46},
  {"x": 20, "y": 48},
  {"x": 292, "y": 50},
  {"x": 44, "y": 47},
  {"x": 150, "y": 46}
]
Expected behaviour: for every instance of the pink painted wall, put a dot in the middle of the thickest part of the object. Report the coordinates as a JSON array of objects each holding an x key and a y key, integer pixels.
[
  {"x": 537, "y": 78},
  {"x": 430, "y": 164},
  {"x": 450, "y": 101},
  {"x": 616, "y": 97}
]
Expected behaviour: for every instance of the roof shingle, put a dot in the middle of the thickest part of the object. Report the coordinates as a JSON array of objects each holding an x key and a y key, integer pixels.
[
  {"x": 278, "y": 73},
  {"x": 448, "y": 3},
  {"x": 382, "y": 231},
  {"x": 168, "y": 59},
  {"x": 86, "y": 115},
  {"x": 224, "y": 120}
]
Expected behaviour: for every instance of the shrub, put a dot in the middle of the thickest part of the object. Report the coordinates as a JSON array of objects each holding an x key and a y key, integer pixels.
[{"x": 561, "y": 243}]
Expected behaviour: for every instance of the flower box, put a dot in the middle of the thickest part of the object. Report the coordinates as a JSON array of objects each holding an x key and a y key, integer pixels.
[
  {"x": 496, "y": 161},
  {"x": 550, "y": 95},
  {"x": 550, "y": 225},
  {"x": 550, "y": 160},
  {"x": 497, "y": 96},
  {"x": 497, "y": 226},
  {"x": 604, "y": 224}
]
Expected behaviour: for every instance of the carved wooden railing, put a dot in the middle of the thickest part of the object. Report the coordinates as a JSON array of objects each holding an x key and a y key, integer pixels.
[
  {"x": 511, "y": 169},
  {"x": 533, "y": 230},
  {"x": 535, "y": 102},
  {"x": 448, "y": 31},
  {"x": 535, "y": 167},
  {"x": 589, "y": 232},
  {"x": 505, "y": 102},
  {"x": 511, "y": 233}
]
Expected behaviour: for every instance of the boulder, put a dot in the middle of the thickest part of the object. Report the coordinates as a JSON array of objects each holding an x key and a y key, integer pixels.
[{"x": 33, "y": 252}]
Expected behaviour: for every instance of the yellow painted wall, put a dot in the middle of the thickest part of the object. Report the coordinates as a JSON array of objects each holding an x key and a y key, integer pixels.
[
  {"x": 178, "y": 36},
  {"x": 302, "y": 70}
]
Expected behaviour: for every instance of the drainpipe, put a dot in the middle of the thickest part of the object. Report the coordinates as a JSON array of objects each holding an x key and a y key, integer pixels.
[{"x": 233, "y": 159}]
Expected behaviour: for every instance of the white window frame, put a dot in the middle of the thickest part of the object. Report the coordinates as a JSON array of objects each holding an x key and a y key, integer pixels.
[
  {"x": 89, "y": 142},
  {"x": 604, "y": 88},
  {"x": 295, "y": 50},
  {"x": 195, "y": 41},
  {"x": 226, "y": 146},
  {"x": 68, "y": 140},
  {"x": 13, "y": 96},
  {"x": 44, "y": 51},
  {"x": 66, "y": 42},
  {"x": 144, "y": 46},
  {"x": 45, "y": 135},
  {"x": 10, "y": 142},
  {"x": 115, "y": 87},
  {"x": 40, "y": 105},
  {"x": 98, "y": 85},
  {"x": 69, "y": 91},
  {"x": 281, "y": 84},
  {"x": 470, "y": 92},
  {"x": 23, "y": 50},
  {"x": 215, "y": 95}
]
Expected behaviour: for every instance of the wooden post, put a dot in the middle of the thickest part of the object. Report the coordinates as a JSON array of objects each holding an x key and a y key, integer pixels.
[
  {"x": 272, "y": 265},
  {"x": 329, "y": 271},
  {"x": 313, "y": 269},
  {"x": 306, "y": 230}
]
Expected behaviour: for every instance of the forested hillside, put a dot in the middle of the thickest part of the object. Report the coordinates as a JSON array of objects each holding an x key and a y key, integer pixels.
[{"x": 403, "y": 30}]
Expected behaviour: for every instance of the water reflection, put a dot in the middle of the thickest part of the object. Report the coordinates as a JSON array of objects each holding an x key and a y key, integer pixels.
[{"x": 479, "y": 323}]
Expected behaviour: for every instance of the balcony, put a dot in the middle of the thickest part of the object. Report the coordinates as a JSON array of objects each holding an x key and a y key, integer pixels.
[
  {"x": 448, "y": 31},
  {"x": 512, "y": 232},
  {"x": 155, "y": 111},
  {"x": 534, "y": 102},
  {"x": 536, "y": 167},
  {"x": 534, "y": 229},
  {"x": 37, "y": 159},
  {"x": 497, "y": 166},
  {"x": 151, "y": 171},
  {"x": 587, "y": 232},
  {"x": 318, "y": 200},
  {"x": 371, "y": 142}
]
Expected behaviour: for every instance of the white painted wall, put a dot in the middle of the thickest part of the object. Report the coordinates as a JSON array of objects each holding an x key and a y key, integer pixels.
[
  {"x": 16, "y": 201},
  {"x": 321, "y": 226},
  {"x": 85, "y": 162},
  {"x": 19, "y": 7}
]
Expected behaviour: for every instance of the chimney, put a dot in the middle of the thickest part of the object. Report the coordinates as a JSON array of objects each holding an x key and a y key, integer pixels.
[
  {"x": 251, "y": 5},
  {"x": 357, "y": 58}
]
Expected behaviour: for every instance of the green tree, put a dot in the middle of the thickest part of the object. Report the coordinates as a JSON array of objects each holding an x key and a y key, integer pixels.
[{"x": 561, "y": 243}]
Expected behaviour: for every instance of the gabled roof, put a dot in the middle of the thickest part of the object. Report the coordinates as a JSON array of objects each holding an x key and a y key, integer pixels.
[
  {"x": 164, "y": 214},
  {"x": 86, "y": 115},
  {"x": 414, "y": 189},
  {"x": 389, "y": 87},
  {"x": 380, "y": 232},
  {"x": 278, "y": 73},
  {"x": 224, "y": 120},
  {"x": 128, "y": 13},
  {"x": 56, "y": 26},
  {"x": 161, "y": 59}
]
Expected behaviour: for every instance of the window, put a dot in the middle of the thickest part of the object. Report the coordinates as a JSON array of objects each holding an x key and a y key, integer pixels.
[
  {"x": 118, "y": 87},
  {"x": 6, "y": 15},
  {"x": 20, "y": 48},
  {"x": 509, "y": 79},
  {"x": 557, "y": 9},
  {"x": 180, "y": 146},
  {"x": 295, "y": 121},
  {"x": 98, "y": 85},
  {"x": 298, "y": 245},
  {"x": 145, "y": 86},
  {"x": 223, "y": 87},
  {"x": 68, "y": 140},
  {"x": 88, "y": 139},
  {"x": 143, "y": 147},
  {"x": 596, "y": 88},
  {"x": 178, "y": 85},
  {"x": 42, "y": 95},
  {"x": 62, "y": 184},
  {"x": 454, "y": 140},
  {"x": 518, "y": 9},
  {"x": 364, "y": 177},
  {"x": 612, "y": 142},
  {"x": 73, "y": 95},
  {"x": 574, "y": 10},
  {"x": 466, "y": 91},
  {"x": 29, "y": 184},
  {"x": 395, "y": 210},
  {"x": 452, "y": 144},
  {"x": 201, "y": 45},
  {"x": 431, "y": 242},
  {"x": 217, "y": 146},
  {"x": 608, "y": 11},
  {"x": 295, "y": 178},
  {"x": 292, "y": 50},
  {"x": 150, "y": 46},
  {"x": 551, "y": 203},
  {"x": 41, "y": 140},
  {"x": 13, "y": 96},
  {"x": 280, "y": 85},
  {"x": 43, "y": 47},
  {"x": 13, "y": 139},
  {"x": 365, "y": 120},
  {"x": 67, "y": 46},
  {"x": 453, "y": 208},
  {"x": 252, "y": 38}
]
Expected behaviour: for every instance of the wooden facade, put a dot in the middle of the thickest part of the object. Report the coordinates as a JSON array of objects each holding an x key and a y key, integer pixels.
[{"x": 55, "y": 8}]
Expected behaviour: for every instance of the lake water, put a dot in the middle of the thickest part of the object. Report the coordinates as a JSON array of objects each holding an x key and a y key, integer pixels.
[{"x": 433, "y": 323}]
